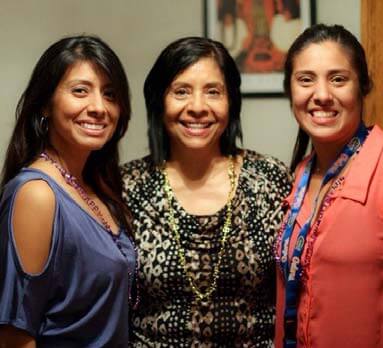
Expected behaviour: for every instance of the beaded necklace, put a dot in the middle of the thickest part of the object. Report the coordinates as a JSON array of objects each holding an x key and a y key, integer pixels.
[
  {"x": 72, "y": 181},
  {"x": 198, "y": 294}
]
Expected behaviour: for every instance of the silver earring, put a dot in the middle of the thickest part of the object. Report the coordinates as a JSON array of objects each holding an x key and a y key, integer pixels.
[{"x": 44, "y": 125}]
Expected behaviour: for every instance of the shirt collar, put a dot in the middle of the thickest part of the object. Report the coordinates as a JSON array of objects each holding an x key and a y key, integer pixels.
[{"x": 358, "y": 180}]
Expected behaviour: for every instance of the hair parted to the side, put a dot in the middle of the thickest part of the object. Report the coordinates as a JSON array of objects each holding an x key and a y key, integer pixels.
[
  {"x": 173, "y": 60},
  {"x": 29, "y": 139},
  {"x": 314, "y": 35}
]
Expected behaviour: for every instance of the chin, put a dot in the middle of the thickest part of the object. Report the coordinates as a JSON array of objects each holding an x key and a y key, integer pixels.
[{"x": 91, "y": 145}]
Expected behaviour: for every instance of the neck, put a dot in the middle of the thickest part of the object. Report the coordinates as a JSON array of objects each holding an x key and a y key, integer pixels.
[
  {"x": 195, "y": 164},
  {"x": 73, "y": 163},
  {"x": 326, "y": 154}
]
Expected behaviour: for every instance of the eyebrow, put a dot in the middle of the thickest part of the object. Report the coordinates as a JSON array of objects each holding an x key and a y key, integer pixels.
[
  {"x": 330, "y": 72},
  {"x": 209, "y": 84},
  {"x": 87, "y": 82},
  {"x": 76, "y": 81}
]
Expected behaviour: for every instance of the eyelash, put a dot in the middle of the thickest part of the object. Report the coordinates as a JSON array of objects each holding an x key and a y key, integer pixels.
[
  {"x": 110, "y": 95},
  {"x": 180, "y": 91},
  {"x": 82, "y": 92},
  {"x": 183, "y": 93},
  {"x": 305, "y": 81},
  {"x": 337, "y": 79},
  {"x": 79, "y": 90},
  {"x": 214, "y": 91}
]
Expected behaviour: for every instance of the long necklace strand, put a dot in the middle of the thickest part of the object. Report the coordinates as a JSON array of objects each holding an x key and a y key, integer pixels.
[
  {"x": 200, "y": 295},
  {"x": 71, "y": 180}
]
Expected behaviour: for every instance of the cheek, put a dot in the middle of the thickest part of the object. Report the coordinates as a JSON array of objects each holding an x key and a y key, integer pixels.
[
  {"x": 225, "y": 118},
  {"x": 299, "y": 101},
  {"x": 221, "y": 109},
  {"x": 299, "y": 95},
  {"x": 172, "y": 109},
  {"x": 351, "y": 99},
  {"x": 167, "y": 118},
  {"x": 115, "y": 123},
  {"x": 299, "y": 110},
  {"x": 116, "y": 112},
  {"x": 297, "y": 107}
]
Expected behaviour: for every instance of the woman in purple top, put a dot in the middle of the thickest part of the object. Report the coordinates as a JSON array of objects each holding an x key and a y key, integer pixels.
[{"x": 66, "y": 258}]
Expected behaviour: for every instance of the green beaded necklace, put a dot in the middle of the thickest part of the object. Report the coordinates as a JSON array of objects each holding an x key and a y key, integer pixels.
[{"x": 199, "y": 295}]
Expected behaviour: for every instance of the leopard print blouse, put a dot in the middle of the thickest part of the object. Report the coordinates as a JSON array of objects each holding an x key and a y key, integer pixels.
[{"x": 240, "y": 313}]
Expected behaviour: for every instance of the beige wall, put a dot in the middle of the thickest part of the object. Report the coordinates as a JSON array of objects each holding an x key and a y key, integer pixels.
[{"x": 137, "y": 30}]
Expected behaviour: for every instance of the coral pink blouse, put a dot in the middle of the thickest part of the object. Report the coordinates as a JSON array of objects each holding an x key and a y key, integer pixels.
[{"x": 341, "y": 300}]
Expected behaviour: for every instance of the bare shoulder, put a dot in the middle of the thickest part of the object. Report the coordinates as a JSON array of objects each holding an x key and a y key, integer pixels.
[
  {"x": 32, "y": 222},
  {"x": 37, "y": 190},
  {"x": 15, "y": 338}
]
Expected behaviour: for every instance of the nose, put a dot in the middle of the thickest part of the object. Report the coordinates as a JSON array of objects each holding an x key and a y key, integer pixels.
[
  {"x": 197, "y": 104},
  {"x": 96, "y": 106},
  {"x": 322, "y": 93}
]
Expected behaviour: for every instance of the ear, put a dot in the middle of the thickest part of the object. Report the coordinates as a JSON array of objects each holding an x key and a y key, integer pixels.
[{"x": 46, "y": 111}]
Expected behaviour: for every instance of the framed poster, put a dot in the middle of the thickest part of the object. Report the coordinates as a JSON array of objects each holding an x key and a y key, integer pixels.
[{"x": 257, "y": 34}]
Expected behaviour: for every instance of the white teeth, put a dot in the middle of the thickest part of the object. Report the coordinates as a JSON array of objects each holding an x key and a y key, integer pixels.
[
  {"x": 320, "y": 113},
  {"x": 92, "y": 126},
  {"x": 197, "y": 125}
]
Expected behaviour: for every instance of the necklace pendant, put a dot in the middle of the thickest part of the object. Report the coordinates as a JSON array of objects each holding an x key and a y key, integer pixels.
[{"x": 204, "y": 302}]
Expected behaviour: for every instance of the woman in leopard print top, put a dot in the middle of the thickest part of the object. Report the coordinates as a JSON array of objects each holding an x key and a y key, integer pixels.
[{"x": 205, "y": 212}]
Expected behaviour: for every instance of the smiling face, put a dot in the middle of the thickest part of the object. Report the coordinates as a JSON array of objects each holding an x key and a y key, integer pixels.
[
  {"x": 197, "y": 108},
  {"x": 325, "y": 93},
  {"x": 83, "y": 112}
]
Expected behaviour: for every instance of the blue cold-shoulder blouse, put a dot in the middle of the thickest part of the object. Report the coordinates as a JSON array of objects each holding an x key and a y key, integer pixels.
[{"x": 81, "y": 298}]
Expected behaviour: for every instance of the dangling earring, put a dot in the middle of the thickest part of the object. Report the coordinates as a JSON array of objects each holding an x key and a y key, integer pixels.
[{"x": 44, "y": 126}]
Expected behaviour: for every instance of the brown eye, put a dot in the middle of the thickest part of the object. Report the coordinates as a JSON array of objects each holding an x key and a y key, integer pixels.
[
  {"x": 80, "y": 91},
  {"x": 110, "y": 94},
  {"x": 338, "y": 80},
  {"x": 181, "y": 93},
  {"x": 305, "y": 80},
  {"x": 214, "y": 91}
]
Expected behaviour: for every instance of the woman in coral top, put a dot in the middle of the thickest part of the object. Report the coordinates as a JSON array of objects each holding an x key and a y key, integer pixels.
[{"x": 330, "y": 248}]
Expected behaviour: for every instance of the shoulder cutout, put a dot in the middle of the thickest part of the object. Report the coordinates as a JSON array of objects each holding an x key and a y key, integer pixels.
[{"x": 32, "y": 224}]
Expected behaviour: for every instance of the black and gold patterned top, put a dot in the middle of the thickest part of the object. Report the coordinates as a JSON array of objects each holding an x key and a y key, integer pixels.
[{"x": 240, "y": 313}]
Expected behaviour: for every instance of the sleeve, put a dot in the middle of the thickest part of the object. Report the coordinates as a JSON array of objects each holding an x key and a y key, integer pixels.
[
  {"x": 23, "y": 297},
  {"x": 279, "y": 182},
  {"x": 135, "y": 175}
]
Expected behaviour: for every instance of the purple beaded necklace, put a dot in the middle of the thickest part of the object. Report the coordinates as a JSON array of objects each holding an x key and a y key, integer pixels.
[{"x": 71, "y": 180}]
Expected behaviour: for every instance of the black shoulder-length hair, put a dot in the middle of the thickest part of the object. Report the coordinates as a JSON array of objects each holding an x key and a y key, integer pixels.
[
  {"x": 316, "y": 34},
  {"x": 173, "y": 60},
  {"x": 29, "y": 139}
]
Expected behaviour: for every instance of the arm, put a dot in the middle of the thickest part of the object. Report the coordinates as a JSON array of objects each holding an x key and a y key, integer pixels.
[
  {"x": 32, "y": 222},
  {"x": 11, "y": 337}
]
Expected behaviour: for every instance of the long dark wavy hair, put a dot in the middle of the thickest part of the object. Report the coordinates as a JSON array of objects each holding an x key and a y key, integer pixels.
[
  {"x": 29, "y": 139},
  {"x": 173, "y": 60},
  {"x": 316, "y": 34}
]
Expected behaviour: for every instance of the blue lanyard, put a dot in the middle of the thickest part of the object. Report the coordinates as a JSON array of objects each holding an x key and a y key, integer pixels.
[{"x": 292, "y": 270}]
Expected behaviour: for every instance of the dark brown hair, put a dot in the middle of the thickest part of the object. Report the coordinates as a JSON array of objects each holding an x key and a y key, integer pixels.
[
  {"x": 173, "y": 60},
  {"x": 316, "y": 34},
  {"x": 29, "y": 139}
]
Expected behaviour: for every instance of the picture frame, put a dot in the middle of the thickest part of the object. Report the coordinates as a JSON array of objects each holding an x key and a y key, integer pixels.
[{"x": 258, "y": 33}]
